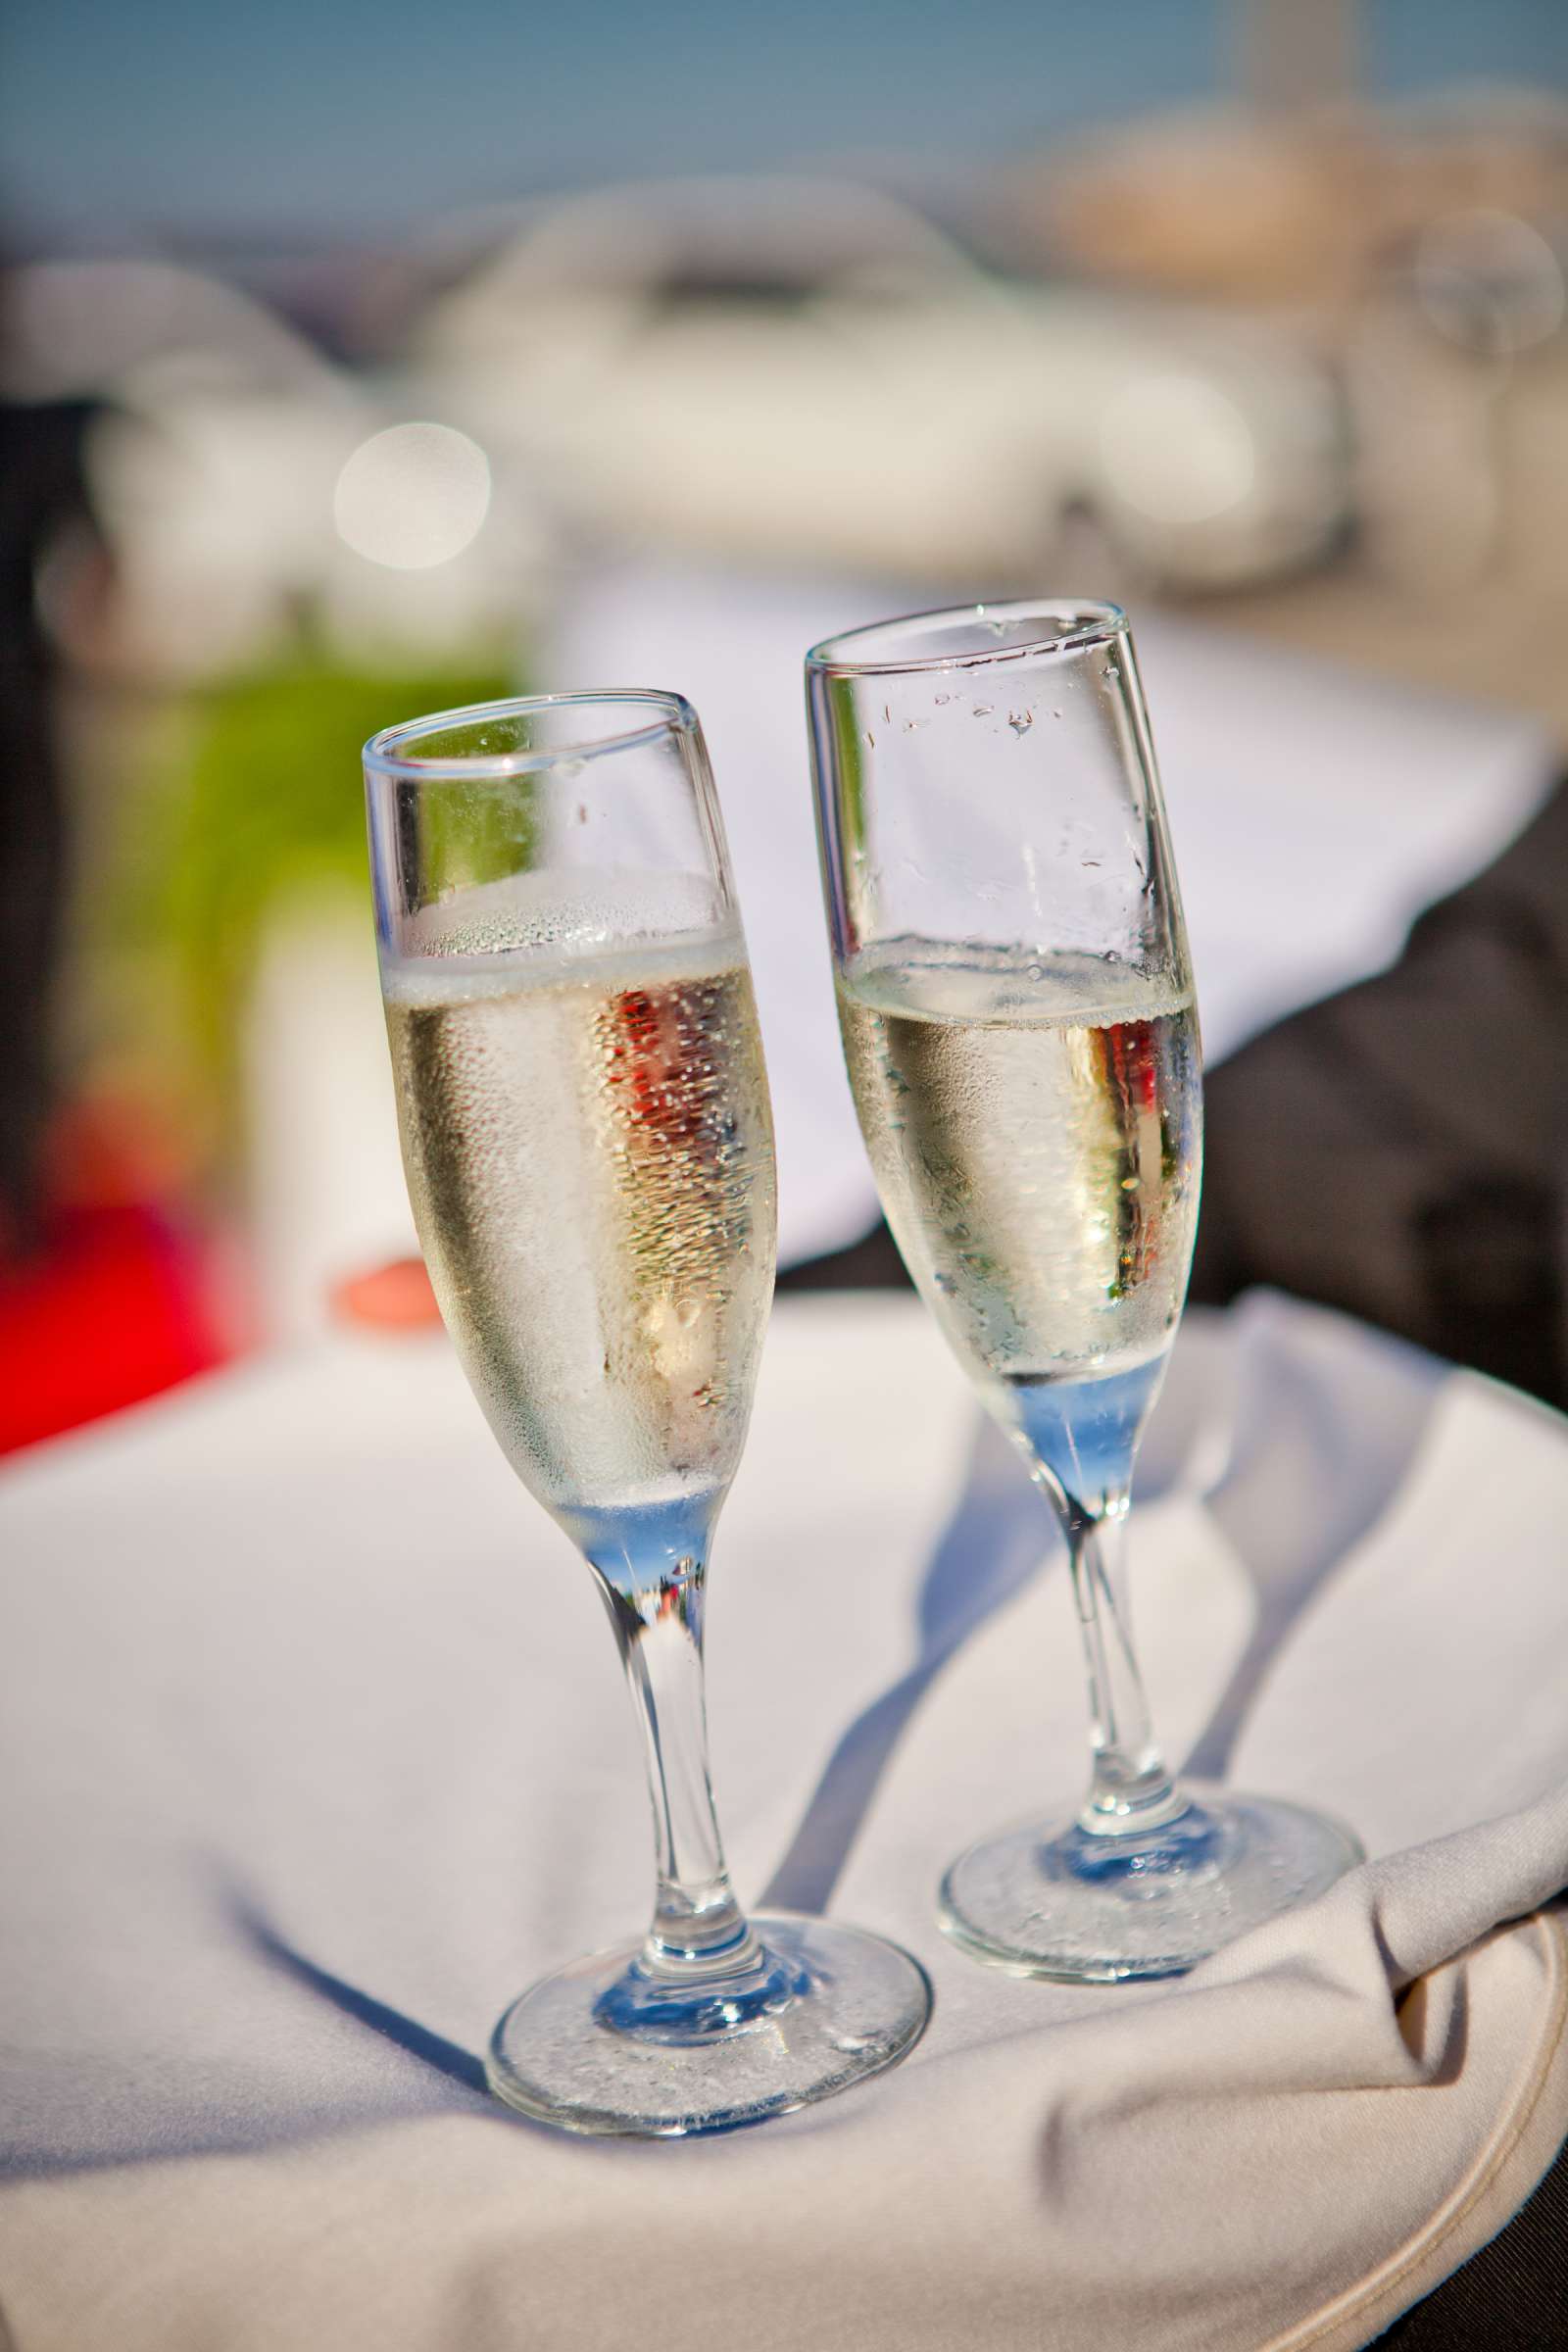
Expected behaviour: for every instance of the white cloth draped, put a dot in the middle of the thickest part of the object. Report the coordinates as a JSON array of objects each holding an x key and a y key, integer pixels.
[{"x": 314, "y": 1751}]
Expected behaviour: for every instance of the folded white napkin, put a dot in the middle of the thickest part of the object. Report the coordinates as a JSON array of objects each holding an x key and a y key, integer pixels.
[{"x": 313, "y": 1751}]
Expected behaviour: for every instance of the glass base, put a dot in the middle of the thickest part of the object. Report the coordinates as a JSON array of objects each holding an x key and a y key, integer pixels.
[
  {"x": 603, "y": 2048},
  {"x": 1048, "y": 1899}
]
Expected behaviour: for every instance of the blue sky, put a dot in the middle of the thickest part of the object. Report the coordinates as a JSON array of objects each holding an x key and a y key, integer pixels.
[{"x": 323, "y": 117}]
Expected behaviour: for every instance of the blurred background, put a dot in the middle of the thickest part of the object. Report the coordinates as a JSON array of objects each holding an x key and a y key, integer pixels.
[{"x": 356, "y": 364}]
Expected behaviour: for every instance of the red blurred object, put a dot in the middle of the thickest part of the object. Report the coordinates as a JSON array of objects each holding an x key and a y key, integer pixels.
[
  {"x": 117, "y": 1301},
  {"x": 396, "y": 1297},
  {"x": 113, "y": 1309}
]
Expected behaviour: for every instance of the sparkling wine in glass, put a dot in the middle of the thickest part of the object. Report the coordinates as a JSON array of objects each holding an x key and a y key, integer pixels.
[
  {"x": 588, "y": 1143},
  {"x": 1018, "y": 1012}
]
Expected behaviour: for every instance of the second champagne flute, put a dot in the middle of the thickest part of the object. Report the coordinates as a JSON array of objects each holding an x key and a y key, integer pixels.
[{"x": 1017, "y": 1013}]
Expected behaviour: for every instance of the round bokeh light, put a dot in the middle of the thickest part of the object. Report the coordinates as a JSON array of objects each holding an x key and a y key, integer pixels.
[{"x": 413, "y": 496}]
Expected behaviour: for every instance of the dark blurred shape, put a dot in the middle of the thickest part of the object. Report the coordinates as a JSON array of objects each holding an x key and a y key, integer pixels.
[
  {"x": 1399, "y": 1150},
  {"x": 40, "y": 491},
  {"x": 872, "y": 1263},
  {"x": 105, "y": 1297}
]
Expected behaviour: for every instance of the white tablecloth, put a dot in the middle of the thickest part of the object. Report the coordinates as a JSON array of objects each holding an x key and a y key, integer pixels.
[{"x": 313, "y": 1751}]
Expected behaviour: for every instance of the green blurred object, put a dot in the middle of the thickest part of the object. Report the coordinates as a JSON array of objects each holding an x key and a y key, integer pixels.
[
  {"x": 852, "y": 762},
  {"x": 270, "y": 800}
]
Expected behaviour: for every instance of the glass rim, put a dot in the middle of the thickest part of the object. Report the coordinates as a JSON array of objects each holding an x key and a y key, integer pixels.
[
  {"x": 386, "y": 754},
  {"x": 1079, "y": 622}
]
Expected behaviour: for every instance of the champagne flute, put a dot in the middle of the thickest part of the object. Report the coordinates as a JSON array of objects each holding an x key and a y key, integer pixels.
[
  {"x": 1017, "y": 1015},
  {"x": 588, "y": 1144}
]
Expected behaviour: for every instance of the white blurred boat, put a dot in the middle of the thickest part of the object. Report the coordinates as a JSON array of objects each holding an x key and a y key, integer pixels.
[{"x": 811, "y": 372}]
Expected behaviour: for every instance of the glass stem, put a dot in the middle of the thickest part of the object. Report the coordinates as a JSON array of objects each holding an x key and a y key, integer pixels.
[
  {"x": 698, "y": 1927},
  {"x": 1130, "y": 1788}
]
